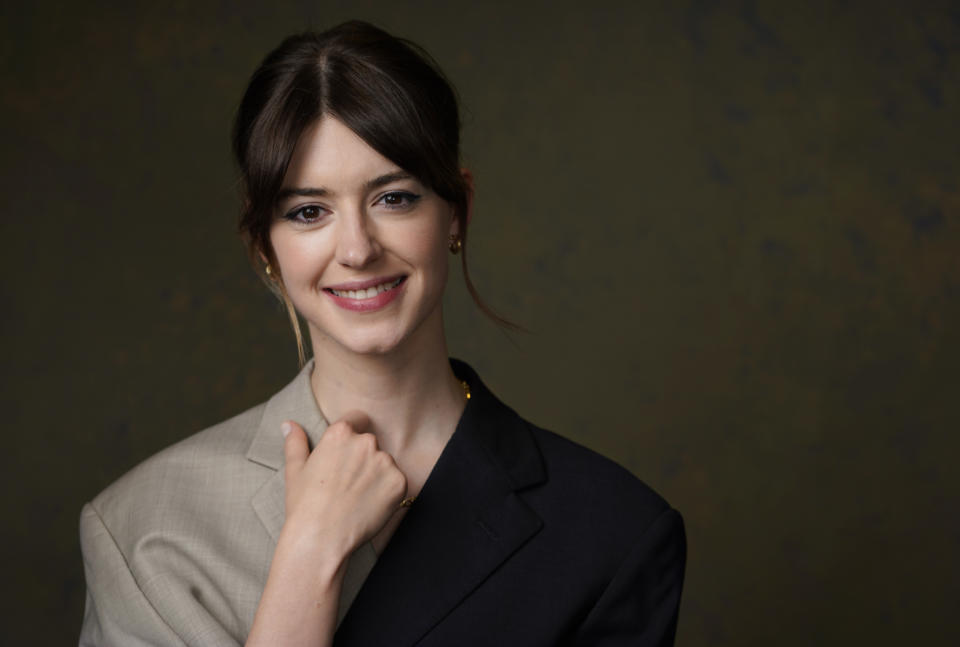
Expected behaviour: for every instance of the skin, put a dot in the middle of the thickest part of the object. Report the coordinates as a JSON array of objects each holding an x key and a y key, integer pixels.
[{"x": 382, "y": 377}]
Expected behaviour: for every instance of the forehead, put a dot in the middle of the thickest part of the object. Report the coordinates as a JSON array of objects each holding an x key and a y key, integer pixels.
[{"x": 330, "y": 155}]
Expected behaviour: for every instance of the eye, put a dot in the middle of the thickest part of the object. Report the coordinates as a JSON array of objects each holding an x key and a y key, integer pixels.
[
  {"x": 307, "y": 214},
  {"x": 398, "y": 199}
]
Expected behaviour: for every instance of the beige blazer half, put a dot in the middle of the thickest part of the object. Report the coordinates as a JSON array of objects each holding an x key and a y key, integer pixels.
[{"x": 177, "y": 551}]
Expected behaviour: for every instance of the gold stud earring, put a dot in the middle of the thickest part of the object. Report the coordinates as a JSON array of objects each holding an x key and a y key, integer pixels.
[
  {"x": 268, "y": 270},
  {"x": 455, "y": 244}
]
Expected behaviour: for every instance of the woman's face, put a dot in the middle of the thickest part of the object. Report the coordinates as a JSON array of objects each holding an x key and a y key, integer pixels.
[{"x": 361, "y": 245}]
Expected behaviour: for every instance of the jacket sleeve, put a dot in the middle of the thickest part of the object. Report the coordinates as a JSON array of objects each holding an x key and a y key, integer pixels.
[
  {"x": 117, "y": 611},
  {"x": 640, "y": 604}
]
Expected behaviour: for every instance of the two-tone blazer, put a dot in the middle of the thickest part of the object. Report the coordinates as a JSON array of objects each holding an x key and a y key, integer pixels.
[{"x": 518, "y": 537}]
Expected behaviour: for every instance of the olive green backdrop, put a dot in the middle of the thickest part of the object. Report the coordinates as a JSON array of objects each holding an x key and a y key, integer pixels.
[{"x": 732, "y": 228}]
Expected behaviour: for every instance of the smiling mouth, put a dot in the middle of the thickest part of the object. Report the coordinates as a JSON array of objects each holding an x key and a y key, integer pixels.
[{"x": 368, "y": 293}]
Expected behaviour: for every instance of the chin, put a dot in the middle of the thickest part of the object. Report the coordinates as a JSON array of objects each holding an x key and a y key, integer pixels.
[
  {"x": 373, "y": 337},
  {"x": 370, "y": 344}
]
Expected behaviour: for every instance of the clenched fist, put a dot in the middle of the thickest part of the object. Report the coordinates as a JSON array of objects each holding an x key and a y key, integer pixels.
[{"x": 343, "y": 492}]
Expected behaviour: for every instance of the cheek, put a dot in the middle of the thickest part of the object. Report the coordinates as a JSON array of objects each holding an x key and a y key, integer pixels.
[
  {"x": 298, "y": 255},
  {"x": 427, "y": 245}
]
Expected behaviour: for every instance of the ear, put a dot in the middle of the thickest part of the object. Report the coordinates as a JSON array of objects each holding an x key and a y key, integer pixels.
[{"x": 266, "y": 263}]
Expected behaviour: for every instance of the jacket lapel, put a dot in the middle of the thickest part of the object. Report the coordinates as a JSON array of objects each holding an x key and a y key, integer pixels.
[
  {"x": 466, "y": 521},
  {"x": 296, "y": 402}
]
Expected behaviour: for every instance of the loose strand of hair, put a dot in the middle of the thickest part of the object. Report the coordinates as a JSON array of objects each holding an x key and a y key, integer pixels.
[
  {"x": 480, "y": 303},
  {"x": 294, "y": 322}
]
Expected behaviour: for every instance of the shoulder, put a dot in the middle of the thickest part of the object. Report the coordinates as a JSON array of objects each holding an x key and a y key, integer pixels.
[
  {"x": 587, "y": 487},
  {"x": 611, "y": 550},
  {"x": 206, "y": 482},
  {"x": 181, "y": 544},
  {"x": 622, "y": 546},
  {"x": 173, "y": 551},
  {"x": 617, "y": 539},
  {"x": 206, "y": 467}
]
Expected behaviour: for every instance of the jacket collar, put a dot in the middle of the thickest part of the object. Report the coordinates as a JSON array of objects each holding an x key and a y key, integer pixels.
[
  {"x": 296, "y": 402},
  {"x": 514, "y": 454},
  {"x": 293, "y": 402}
]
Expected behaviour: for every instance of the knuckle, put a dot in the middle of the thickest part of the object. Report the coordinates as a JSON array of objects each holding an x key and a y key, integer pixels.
[
  {"x": 383, "y": 460},
  {"x": 398, "y": 483}
]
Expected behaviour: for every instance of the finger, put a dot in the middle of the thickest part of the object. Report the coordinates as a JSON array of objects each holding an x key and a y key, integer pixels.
[
  {"x": 392, "y": 480},
  {"x": 295, "y": 448}
]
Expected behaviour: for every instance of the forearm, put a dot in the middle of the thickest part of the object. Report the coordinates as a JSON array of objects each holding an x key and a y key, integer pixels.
[{"x": 300, "y": 601}]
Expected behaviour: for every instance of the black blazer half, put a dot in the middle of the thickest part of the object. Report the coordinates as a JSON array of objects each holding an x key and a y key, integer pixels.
[{"x": 521, "y": 537}]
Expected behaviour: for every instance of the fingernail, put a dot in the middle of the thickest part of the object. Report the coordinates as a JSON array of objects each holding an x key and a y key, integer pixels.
[{"x": 286, "y": 428}]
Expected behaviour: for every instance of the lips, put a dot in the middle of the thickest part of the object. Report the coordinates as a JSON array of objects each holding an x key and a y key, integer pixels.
[
  {"x": 359, "y": 293},
  {"x": 367, "y": 296}
]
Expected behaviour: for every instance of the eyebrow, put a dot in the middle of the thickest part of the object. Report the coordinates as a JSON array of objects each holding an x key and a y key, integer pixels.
[{"x": 369, "y": 185}]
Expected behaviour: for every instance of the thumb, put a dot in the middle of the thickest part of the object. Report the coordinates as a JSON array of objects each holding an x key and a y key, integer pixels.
[{"x": 295, "y": 448}]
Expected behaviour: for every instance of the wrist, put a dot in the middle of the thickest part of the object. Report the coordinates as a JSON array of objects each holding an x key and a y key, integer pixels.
[{"x": 311, "y": 552}]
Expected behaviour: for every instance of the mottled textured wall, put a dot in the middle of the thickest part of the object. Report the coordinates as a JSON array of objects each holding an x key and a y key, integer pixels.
[{"x": 732, "y": 227}]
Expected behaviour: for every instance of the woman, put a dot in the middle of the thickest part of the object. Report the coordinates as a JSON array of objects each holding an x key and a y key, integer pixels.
[{"x": 385, "y": 496}]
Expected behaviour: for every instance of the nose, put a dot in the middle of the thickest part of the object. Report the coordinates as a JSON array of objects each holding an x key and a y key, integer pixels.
[{"x": 357, "y": 244}]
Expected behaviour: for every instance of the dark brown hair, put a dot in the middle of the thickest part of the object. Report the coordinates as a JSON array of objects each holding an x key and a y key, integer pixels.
[{"x": 387, "y": 90}]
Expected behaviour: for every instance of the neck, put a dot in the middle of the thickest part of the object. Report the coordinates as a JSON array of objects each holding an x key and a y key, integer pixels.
[{"x": 410, "y": 394}]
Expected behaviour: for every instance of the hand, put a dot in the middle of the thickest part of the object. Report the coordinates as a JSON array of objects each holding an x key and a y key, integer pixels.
[
  {"x": 337, "y": 497},
  {"x": 343, "y": 492}
]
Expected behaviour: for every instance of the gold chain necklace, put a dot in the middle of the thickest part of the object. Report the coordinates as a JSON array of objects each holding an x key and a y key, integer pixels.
[{"x": 407, "y": 502}]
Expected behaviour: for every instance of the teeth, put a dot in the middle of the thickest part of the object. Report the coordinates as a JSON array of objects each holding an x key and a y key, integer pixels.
[{"x": 369, "y": 293}]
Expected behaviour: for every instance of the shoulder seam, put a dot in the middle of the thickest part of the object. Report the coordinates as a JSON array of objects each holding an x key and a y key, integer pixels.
[{"x": 130, "y": 570}]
